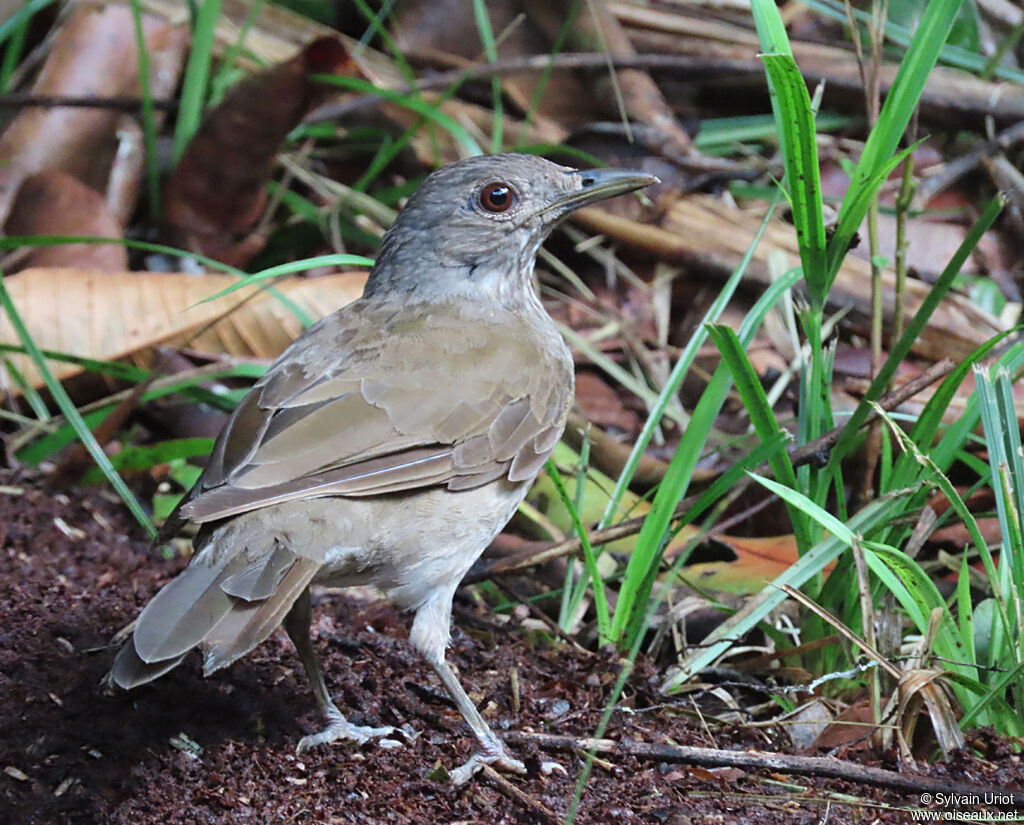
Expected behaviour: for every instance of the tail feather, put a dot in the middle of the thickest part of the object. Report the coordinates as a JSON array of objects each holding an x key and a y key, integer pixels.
[
  {"x": 250, "y": 623},
  {"x": 130, "y": 671},
  {"x": 181, "y": 615},
  {"x": 225, "y": 603}
]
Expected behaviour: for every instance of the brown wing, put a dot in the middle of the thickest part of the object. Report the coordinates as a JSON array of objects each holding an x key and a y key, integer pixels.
[{"x": 372, "y": 401}]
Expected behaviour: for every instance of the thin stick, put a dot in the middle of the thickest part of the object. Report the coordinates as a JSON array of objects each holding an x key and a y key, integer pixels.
[{"x": 823, "y": 766}]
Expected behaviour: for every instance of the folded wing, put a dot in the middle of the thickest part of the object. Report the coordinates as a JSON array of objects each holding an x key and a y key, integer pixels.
[{"x": 392, "y": 414}]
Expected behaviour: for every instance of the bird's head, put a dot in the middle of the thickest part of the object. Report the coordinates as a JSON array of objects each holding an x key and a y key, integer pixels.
[{"x": 473, "y": 227}]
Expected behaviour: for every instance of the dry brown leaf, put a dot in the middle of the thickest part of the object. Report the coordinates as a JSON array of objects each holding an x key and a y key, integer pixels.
[
  {"x": 111, "y": 315},
  {"x": 218, "y": 190},
  {"x": 93, "y": 54},
  {"x": 54, "y": 203},
  {"x": 602, "y": 405},
  {"x": 758, "y": 561},
  {"x": 453, "y": 40}
]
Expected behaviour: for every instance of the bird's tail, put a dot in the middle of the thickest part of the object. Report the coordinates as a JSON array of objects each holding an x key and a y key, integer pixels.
[{"x": 227, "y": 601}]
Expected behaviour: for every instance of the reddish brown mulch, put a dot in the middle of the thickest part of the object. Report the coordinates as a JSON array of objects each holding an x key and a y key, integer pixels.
[{"x": 75, "y": 751}]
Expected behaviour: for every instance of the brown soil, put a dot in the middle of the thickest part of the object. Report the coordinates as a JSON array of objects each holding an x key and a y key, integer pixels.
[{"x": 75, "y": 751}]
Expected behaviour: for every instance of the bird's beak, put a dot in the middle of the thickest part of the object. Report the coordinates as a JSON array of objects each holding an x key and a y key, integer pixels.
[{"x": 598, "y": 185}]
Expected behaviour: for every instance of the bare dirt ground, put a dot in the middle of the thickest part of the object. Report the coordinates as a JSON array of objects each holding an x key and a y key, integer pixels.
[{"x": 73, "y": 571}]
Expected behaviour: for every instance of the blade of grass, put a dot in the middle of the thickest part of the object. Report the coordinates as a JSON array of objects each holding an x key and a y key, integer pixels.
[
  {"x": 149, "y": 130},
  {"x": 66, "y": 406},
  {"x": 483, "y": 25},
  {"x": 197, "y": 73},
  {"x": 545, "y": 77},
  {"x": 14, "y": 45},
  {"x": 589, "y": 559},
  {"x": 421, "y": 107},
  {"x": 800, "y": 156},
  {"x": 763, "y": 420},
  {"x": 290, "y": 267},
  {"x": 17, "y": 21}
]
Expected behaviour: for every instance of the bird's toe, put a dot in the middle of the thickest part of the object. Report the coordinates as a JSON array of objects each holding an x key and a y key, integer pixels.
[{"x": 340, "y": 729}]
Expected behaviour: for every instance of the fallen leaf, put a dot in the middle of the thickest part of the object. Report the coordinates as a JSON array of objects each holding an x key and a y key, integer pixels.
[
  {"x": 217, "y": 192},
  {"x": 54, "y": 203},
  {"x": 93, "y": 55},
  {"x": 113, "y": 315}
]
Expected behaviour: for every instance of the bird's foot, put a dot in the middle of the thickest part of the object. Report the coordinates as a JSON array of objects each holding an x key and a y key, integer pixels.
[
  {"x": 339, "y": 728},
  {"x": 491, "y": 753}
]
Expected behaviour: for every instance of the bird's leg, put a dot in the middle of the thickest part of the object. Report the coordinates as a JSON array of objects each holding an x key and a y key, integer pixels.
[
  {"x": 297, "y": 623},
  {"x": 430, "y": 637}
]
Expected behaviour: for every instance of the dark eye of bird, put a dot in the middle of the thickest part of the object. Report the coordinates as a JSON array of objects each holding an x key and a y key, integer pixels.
[{"x": 497, "y": 197}]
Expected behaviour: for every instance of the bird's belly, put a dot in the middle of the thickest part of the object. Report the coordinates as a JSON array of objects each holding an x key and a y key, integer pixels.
[{"x": 410, "y": 544}]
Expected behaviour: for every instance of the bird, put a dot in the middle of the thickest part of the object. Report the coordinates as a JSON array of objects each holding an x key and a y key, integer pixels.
[{"x": 389, "y": 443}]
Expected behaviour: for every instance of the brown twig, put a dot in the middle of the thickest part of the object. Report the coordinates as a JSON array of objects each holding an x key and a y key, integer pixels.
[
  {"x": 957, "y": 168},
  {"x": 540, "y": 63},
  {"x": 824, "y": 766},
  {"x": 798, "y": 456},
  {"x": 516, "y": 794},
  {"x": 21, "y": 100}
]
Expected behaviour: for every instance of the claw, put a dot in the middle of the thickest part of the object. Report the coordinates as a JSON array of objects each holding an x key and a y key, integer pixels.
[
  {"x": 494, "y": 754},
  {"x": 338, "y": 728}
]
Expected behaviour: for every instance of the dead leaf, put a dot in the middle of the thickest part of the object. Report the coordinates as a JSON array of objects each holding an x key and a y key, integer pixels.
[
  {"x": 54, "y": 203},
  {"x": 758, "y": 561},
  {"x": 93, "y": 55},
  {"x": 218, "y": 190},
  {"x": 601, "y": 405},
  {"x": 114, "y": 315},
  {"x": 853, "y": 727}
]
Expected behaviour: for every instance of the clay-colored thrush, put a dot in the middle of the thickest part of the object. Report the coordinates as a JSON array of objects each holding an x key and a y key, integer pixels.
[{"x": 391, "y": 442}]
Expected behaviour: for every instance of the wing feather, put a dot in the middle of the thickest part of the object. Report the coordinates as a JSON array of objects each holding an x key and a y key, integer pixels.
[{"x": 391, "y": 414}]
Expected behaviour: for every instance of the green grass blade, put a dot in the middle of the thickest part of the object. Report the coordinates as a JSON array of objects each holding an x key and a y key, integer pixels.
[
  {"x": 762, "y": 417},
  {"x": 334, "y": 259},
  {"x": 149, "y": 130},
  {"x": 197, "y": 73},
  {"x": 800, "y": 156},
  {"x": 419, "y": 106},
  {"x": 483, "y": 25},
  {"x": 646, "y": 556},
  {"x": 589, "y": 559},
  {"x": 17, "y": 21},
  {"x": 68, "y": 409}
]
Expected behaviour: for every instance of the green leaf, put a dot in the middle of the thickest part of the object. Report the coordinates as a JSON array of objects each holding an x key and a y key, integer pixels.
[
  {"x": 762, "y": 418},
  {"x": 142, "y": 458},
  {"x": 800, "y": 154}
]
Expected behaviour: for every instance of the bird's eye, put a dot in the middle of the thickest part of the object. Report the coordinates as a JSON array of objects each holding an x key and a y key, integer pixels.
[{"x": 497, "y": 197}]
